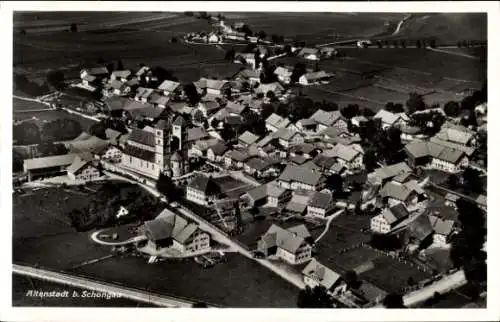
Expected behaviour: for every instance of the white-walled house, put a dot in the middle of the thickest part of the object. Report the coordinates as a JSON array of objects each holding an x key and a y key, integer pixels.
[
  {"x": 317, "y": 274},
  {"x": 388, "y": 219},
  {"x": 321, "y": 205},
  {"x": 289, "y": 245},
  {"x": 83, "y": 170}
]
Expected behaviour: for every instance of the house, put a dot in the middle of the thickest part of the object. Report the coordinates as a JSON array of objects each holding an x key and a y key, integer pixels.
[
  {"x": 436, "y": 156},
  {"x": 299, "y": 177},
  {"x": 288, "y": 137},
  {"x": 317, "y": 274},
  {"x": 83, "y": 170},
  {"x": 326, "y": 164},
  {"x": 468, "y": 150},
  {"x": 409, "y": 193},
  {"x": 114, "y": 87},
  {"x": 216, "y": 152},
  {"x": 289, "y": 245},
  {"x": 382, "y": 175},
  {"x": 275, "y": 122},
  {"x": 358, "y": 120},
  {"x": 419, "y": 231},
  {"x": 202, "y": 190},
  {"x": 245, "y": 58},
  {"x": 284, "y": 74},
  {"x": 143, "y": 94},
  {"x": 309, "y": 53},
  {"x": 213, "y": 38},
  {"x": 235, "y": 109},
  {"x": 389, "y": 119},
  {"x": 248, "y": 75},
  {"x": 208, "y": 108},
  {"x": 298, "y": 204},
  {"x": 329, "y": 119},
  {"x": 170, "y": 88},
  {"x": 120, "y": 75},
  {"x": 327, "y": 52},
  {"x": 159, "y": 100},
  {"x": 259, "y": 167},
  {"x": 450, "y": 200},
  {"x": 236, "y": 158},
  {"x": 108, "y": 153},
  {"x": 49, "y": 166},
  {"x": 410, "y": 133},
  {"x": 307, "y": 150},
  {"x": 98, "y": 72},
  {"x": 170, "y": 230},
  {"x": 314, "y": 78},
  {"x": 247, "y": 138},
  {"x": 321, "y": 205},
  {"x": 256, "y": 197},
  {"x": 456, "y": 135},
  {"x": 307, "y": 126},
  {"x": 142, "y": 72},
  {"x": 346, "y": 156},
  {"x": 216, "y": 87},
  {"x": 388, "y": 219},
  {"x": 443, "y": 229},
  {"x": 481, "y": 201},
  {"x": 275, "y": 88}
]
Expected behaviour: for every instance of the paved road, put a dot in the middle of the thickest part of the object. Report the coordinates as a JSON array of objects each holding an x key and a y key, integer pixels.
[
  {"x": 98, "y": 286},
  {"x": 328, "y": 222}
]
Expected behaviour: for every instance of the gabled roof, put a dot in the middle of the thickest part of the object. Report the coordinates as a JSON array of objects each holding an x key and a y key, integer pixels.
[
  {"x": 77, "y": 165},
  {"x": 52, "y": 161},
  {"x": 196, "y": 133},
  {"x": 99, "y": 71},
  {"x": 391, "y": 171},
  {"x": 285, "y": 134},
  {"x": 315, "y": 76},
  {"x": 169, "y": 86},
  {"x": 170, "y": 225},
  {"x": 321, "y": 274},
  {"x": 321, "y": 200},
  {"x": 248, "y": 73},
  {"x": 420, "y": 228},
  {"x": 466, "y": 149},
  {"x": 308, "y": 51},
  {"x": 160, "y": 99},
  {"x": 116, "y": 84},
  {"x": 283, "y": 238},
  {"x": 235, "y": 108},
  {"x": 142, "y": 137},
  {"x": 205, "y": 184},
  {"x": 326, "y": 118},
  {"x": 180, "y": 121},
  {"x": 277, "y": 121},
  {"x": 143, "y": 92},
  {"x": 248, "y": 138},
  {"x": 143, "y": 70},
  {"x": 400, "y": 191},
  {"x": 300, "y": 174},
  {"x": 395, "y": 213},
  {"x": 139, "y": 153},
  {"x": 271, "y": 87},
  {"x": 219, "y": 148},
  {"x": 121, "y": 73},
  {"x": 420, "y": 149},
  {"x": 281, "y": 71},
  {"x": 237, "y": 155},
  {"x": 388, "y": 117},
  {"x": 258, "y": 193},
  {"x": 216, "y": 84},
  {"x": 440, "y": 226},
  {"x": 454, "y": 135},
  {"x": 343, "y": 152},
  {"x": 116, "y": 102}
]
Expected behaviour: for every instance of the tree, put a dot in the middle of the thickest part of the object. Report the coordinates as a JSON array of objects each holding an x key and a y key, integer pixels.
[
  {"x": 453, "y": 181},
  {"x": 379, "y": 44},
  {"x": 167, "y": 187},
  {"x": 418, "y": 44},
  {"x": 173, "y": 40},
  {"x": 26, "y": 133},
  {"x": 350, "y": 111},
  {"x": 314, "y": 298},
  {"x": 60, "y": 130},
  {"x": 267, "y": 110},
  {"x": 275, "y": 38},
  {"x": 230, "y": 54},
  {"x": 119, "y": 65},
  {"x": 298, "y": 70},
  {"x": 351, "y": 279},
  {"x": 99, "y": 130},
  {"x": 262, "y": 34},
  {"x": 469, "y": 119},
  {"x": 394, "y": 108},
  {"x": 393, "y": 301},
  {"x": 55, "y": 79},
  {"x": 433, "y": 43},
  {"x": 73, "y": 27},
  {"x": 271, "y": 96},
  {"x": 370, "y": 160},
  {"x": 46, "y": 149},
  {"x": 472, "y": 180},
  {"x": 246, "y": 30},
  {"x": 415, "y": 103},
  {"x": 452, "y": 109},
  {"x": 468, "y": 103},
  {"x": 227, "y": 133},
  {"x": 192, "y": 94},
  {"x": 335, "y": 182}
]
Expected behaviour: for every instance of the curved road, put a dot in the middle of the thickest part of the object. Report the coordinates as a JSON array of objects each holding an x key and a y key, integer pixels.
[{"x": 125, "y": 242}]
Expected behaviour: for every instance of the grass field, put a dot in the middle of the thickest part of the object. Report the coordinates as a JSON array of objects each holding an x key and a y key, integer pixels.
[
  {"x": 51, "y": 115},
  {"x": 238, "y": 283}
]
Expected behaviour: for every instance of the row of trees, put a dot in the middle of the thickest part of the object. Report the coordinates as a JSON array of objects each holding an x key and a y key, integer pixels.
[{"x": 58, "y": 130}]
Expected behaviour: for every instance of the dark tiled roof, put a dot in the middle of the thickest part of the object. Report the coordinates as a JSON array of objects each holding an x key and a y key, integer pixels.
[
  {"x": 139, "y": 153},
  {"x": 142, "y": 137}
]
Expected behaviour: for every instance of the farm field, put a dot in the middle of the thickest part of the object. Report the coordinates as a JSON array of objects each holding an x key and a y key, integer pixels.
[
  {"x": 22, "y": 284},
  {"x": 23, "y": 105},
  {"x": 317, "y": 27},
  {"x": 378, "y": 94},
  {"x": 240, "y": 282},
  {"x": 51, "y": 115}
]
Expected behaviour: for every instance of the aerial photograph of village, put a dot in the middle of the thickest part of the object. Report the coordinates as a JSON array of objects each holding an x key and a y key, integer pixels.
[{"x": 206, "y": 159}]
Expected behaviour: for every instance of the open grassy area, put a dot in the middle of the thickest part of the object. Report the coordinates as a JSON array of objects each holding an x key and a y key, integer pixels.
[
  {"x": 23, "y": 105},
  {"x": 22, "y": 284},
  {"x": 52, "y": 115},
  {"x": 238, "y": 283}
]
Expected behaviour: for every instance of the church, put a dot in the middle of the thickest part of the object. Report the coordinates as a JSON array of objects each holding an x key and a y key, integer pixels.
[{"x": 157, "y": 149}]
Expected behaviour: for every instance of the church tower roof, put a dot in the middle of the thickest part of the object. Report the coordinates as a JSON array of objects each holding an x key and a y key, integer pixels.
[
  {"x": 176, "y": 157},
  {"x": 180, "y": 121}
]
